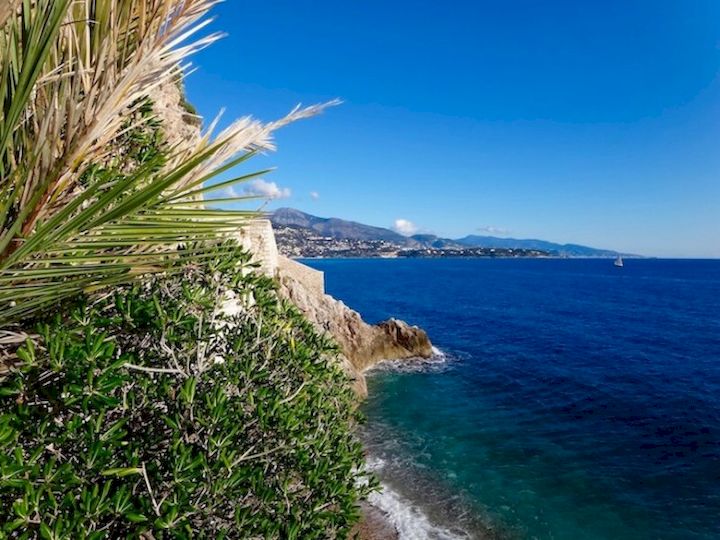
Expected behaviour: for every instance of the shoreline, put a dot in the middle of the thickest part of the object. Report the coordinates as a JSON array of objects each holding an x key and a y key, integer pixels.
[
  {"x": 394, "y": 513},
  {"x": 411, "y": 505},
  {"x": 504, "y": 257}
]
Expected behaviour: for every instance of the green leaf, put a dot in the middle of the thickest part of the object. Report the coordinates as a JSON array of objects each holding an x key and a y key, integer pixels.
[
  {"x": 46, "y": 532},
  {"x": 121, "y": 472}
]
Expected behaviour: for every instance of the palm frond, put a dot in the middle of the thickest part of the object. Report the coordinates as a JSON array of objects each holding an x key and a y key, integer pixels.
[{"x": 75, "y": 76}]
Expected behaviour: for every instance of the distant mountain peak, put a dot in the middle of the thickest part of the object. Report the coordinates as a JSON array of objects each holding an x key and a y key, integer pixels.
[
  {"x": 286, "y": 211},
  {"x": 333, "y": 227},
  {"x": 563, "y": 250}
]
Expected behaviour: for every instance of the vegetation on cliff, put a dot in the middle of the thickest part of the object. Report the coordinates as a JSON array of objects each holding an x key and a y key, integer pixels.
[{"x": 154, "y": 409}]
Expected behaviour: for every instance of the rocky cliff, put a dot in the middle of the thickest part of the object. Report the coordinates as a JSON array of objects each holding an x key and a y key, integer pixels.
[{"x": 363, "y": 345}]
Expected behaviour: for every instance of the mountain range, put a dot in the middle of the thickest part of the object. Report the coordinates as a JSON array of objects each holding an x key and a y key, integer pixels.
[{"x": 295, "y": 228}]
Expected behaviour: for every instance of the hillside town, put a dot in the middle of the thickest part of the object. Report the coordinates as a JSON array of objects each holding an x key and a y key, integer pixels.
[{"x": 302, "y": 242}]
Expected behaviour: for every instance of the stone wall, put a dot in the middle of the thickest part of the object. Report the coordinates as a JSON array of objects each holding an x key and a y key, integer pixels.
[{"x": 258, "y": 238}]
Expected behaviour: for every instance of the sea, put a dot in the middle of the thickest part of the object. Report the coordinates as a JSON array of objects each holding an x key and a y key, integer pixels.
[{"x": 567, "y": 398}]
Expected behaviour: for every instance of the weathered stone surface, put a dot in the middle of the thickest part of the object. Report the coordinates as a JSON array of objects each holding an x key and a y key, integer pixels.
[
  {"x": 181, "y": 128},
  {"x": 373, "y": 525},
  {"x": 257, "y": 237},
  {"x": 311, "y": 278}
]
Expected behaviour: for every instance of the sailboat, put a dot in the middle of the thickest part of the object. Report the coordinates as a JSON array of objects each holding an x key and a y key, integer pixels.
[{"x": 619, "y": 261}]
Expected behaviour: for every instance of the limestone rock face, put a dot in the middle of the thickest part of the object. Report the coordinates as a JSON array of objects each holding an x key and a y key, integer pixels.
[
  {"x": 363, "y": 345},
  {"x": 181, "y": 128}
]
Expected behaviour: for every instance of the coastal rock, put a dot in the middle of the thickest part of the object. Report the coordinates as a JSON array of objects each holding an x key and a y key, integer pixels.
[
  {"x": 399, "y": 339},
  {"x": 373, "y": 525},
  {"x": 363, "y": 345}
]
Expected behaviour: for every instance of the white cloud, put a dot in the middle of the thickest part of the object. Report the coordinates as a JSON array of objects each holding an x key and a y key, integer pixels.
[
  {"x": 404, "y": 226},
  {"x": 230, "y": 191},
  {"x": 314, "y": 195},
  {"x": 266, "y": 190},
  {"x": 493, "y": 230}
]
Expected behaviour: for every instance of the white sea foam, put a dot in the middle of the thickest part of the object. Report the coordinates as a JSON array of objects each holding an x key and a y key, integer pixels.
[
  {"x": 438, "y": 360},
  {"x": 410, "y": 521},
  {"x": 438, "y": 353}
]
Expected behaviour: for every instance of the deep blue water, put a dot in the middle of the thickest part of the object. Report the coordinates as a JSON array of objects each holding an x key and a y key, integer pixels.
[{"x": 578, "y": 401}]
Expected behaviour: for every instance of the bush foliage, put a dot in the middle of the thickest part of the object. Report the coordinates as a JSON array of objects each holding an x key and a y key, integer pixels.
[{"x": 152, "y": 413}]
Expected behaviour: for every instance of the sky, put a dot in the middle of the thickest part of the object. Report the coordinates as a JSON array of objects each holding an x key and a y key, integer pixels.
[{"x": 593, "y": 122}]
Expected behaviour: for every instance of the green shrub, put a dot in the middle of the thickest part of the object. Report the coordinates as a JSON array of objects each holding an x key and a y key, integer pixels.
[{"x": 148, "y": 413}]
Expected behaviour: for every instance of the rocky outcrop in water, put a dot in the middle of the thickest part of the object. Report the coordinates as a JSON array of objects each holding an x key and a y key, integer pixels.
[{"x": 363, "y": 345}]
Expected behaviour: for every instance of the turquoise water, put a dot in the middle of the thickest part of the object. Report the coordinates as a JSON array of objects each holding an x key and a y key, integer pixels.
[{"x": 574, "y": 401}]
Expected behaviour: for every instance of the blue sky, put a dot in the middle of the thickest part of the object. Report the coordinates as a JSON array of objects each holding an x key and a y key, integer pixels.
[{"x": 594, "y": 122}]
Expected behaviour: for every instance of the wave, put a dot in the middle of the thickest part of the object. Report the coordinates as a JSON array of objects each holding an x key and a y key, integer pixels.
[
  {"x": 437, "y": 352},
  {"x": 409, "y": 521},
  {"x": 438, "y": 361},
  {"x": 415, "y": 499}
]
